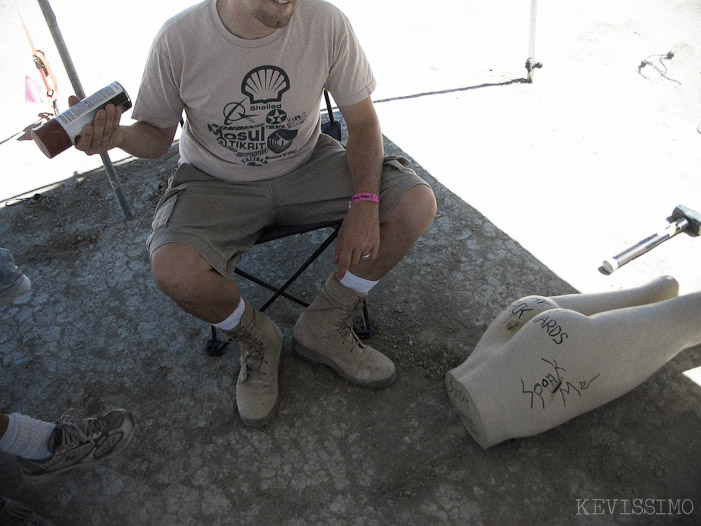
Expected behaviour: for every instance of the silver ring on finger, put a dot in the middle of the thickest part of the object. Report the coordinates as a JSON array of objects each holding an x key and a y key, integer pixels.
[{"x": 365, "y": 257}]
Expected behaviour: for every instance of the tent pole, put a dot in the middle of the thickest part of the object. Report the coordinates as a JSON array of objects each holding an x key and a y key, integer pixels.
[
  {"x": 78, "y": 90},
  {"x": 531, "y": 64}
]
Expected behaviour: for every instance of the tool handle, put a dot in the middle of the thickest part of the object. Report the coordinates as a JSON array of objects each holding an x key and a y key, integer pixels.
[{"x": 616, "y": 262}]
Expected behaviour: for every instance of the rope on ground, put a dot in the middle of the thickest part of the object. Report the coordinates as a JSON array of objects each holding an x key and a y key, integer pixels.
[{"x": 652, "y": 62}]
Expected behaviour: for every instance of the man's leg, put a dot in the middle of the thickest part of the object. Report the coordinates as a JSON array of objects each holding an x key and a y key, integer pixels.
[
  {"x": 524, "y": 379},
  {"x": 324, "y": 332},
  {"x": 195, "y": 243},
  {"x": 196, "y": 240},
  {"x": 45, "y": 448},
  {"x": 186, "y": 278},
  {"x": 24, "y": 436}
]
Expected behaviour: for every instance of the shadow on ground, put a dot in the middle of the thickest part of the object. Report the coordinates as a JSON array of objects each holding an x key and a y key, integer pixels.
[{"x": 97, "y": 334}]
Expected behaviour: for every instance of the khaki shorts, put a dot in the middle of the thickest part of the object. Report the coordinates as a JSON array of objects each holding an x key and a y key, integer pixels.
[{"x": 222, "y": 220}]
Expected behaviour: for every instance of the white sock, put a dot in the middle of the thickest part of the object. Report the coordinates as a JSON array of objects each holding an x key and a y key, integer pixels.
[
  {"x": 359, "y": 285},
  {"x": 27, "y": 437},
  {"x": 234, "y": 318}
]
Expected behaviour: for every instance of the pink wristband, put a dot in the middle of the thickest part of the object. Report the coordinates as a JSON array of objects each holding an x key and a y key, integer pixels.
[{"x": 365, "y": 197}]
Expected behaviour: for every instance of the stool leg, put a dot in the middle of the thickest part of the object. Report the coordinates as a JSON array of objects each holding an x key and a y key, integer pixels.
[
  {"x": 363, "y": 327},
  {"x": 215, "y": 346},
  {"x": 299, "y": 271}
]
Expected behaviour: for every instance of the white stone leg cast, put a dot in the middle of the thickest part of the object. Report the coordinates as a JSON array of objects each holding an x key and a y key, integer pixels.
[{"x": 543, "y": 361}]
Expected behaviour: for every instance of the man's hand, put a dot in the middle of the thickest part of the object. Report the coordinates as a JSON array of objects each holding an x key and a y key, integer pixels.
[
  {"x": 104, "y": 133},
  {"x": 359, "y": 235}
]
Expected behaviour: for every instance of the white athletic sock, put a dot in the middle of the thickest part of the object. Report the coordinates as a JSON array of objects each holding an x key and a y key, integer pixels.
[
  {"x": 234, "y": 318},
  {"x": 27, "y": 437},
  {"x": 359, "y": 285}
]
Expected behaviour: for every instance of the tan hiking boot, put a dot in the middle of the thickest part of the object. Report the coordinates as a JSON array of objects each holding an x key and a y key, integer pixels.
[
  {"x": 324, "y": 334},
  {"x": 260, "y": 343}
]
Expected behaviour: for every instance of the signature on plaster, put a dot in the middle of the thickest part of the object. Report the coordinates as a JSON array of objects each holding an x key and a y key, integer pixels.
[
  {"x": 457, "y": 395},
  {"x": 462, "y": 403},
  {"x": 552, "y": 382}
]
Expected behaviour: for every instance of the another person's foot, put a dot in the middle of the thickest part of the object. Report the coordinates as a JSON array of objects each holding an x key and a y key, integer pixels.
[
  {"x": 13, "y": 284},
  {"x": 77, "y": 444},
  {"x": 324, "y": 334},
  {"x": 15, "y": 514}
]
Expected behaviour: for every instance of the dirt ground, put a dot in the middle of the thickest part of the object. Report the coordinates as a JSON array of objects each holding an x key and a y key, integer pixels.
[
  {"x": 96, "y": 334},
  {"x": 536, "y": 183}
]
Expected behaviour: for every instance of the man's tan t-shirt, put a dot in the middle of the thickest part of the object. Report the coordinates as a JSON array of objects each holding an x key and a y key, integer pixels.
[{"x": 251, "y": 106}]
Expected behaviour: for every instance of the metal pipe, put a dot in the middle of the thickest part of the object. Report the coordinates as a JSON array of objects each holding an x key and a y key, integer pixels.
[
  {"x": 50, "y": 18},
  {"x": 531, "y": 63}
]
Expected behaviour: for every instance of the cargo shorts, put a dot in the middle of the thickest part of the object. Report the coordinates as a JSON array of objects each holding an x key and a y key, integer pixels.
[{"x": 222, "y": 220}]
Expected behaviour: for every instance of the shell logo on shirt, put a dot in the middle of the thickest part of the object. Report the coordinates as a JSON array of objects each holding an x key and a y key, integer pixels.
[
  {"x": 265, "y": 84},
  {"x": 256, "y": 128}
]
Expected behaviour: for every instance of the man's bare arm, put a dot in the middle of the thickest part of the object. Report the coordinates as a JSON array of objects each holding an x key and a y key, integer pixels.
[
  {"x": 138, "y": 139},
  {"x": 360, "y": 233}
]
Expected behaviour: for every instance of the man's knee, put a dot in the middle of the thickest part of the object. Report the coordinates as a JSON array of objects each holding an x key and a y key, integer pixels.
[
  {"x": 175, "y": 268},
  {"x": 427, "y": 202},
  {"x": 416, "y": 209}
]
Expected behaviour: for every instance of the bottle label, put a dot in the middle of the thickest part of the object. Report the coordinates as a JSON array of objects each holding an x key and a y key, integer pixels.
[{"x": 75, "y": 118}]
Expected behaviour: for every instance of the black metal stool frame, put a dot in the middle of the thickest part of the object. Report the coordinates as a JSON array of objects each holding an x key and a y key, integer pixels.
[
  {"x": 363, "y": 327},
  {"x": 281, "y": 232}
]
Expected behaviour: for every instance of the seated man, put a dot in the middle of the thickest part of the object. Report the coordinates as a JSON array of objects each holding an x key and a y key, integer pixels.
[{"x": 249, "y": 76}]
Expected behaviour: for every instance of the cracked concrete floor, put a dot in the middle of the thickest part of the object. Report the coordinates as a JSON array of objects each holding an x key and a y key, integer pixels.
[
  {"x": 96, "y": 334},
  {"x": 558, "y": 174}
]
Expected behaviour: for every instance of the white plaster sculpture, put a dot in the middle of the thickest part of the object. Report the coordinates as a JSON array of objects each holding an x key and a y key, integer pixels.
[{"x": 544, "y": 361}]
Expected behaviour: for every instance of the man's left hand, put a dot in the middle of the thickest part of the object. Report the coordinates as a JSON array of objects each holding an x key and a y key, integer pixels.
[{"x": 359, "y": 236}]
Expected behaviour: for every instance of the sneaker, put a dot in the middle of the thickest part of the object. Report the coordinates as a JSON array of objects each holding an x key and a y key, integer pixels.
[
  {"x": 13, "y": 284},
  {"x": 76, "y": 444},
  {"x": 15, "y": 514}
]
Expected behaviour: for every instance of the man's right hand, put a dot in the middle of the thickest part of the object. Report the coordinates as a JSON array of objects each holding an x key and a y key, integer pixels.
[{"x": 104, "y": 133}]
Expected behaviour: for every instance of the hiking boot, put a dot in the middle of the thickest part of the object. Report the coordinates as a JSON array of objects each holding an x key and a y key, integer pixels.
[
  {"x": 324, "y": 334},
  {"x": 13, "y": 284},
  {"x": 77, "y": 444},
  {"x": 260, "y": 343},
  {"x": 15, "y": 514}
]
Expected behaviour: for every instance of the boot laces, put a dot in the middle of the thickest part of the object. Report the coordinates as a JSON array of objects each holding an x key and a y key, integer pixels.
[
  {"x": 252, "y": 355},
  {"x": 253, "y": 359},
  {"x": 345, "y": 323}
]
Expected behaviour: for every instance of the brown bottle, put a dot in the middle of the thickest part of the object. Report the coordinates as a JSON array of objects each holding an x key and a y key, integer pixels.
[{"x": 60, "y": 133}]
